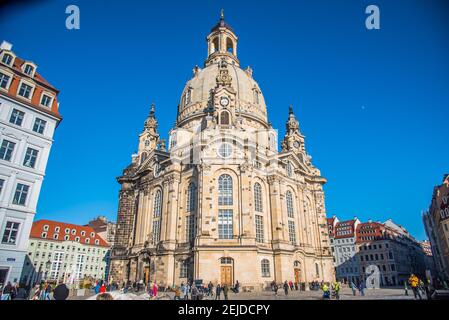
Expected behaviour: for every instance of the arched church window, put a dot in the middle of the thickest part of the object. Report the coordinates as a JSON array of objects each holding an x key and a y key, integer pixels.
[
  {"x": 173, "y": 141},
  {"x": 258, "y": 197},
  {"x": 289, "y": 199},
  {"x": 224, "y": 118},
  {"x": 215, "y": 45},
  {"x": 157, "y": 216},
  {"x": 225, "y": 190},
  {"x": 317, "y": 269},
  {"x": 256, "y": 96},
  {"x": 289, "y": 169},
  {"x": 226, "y": 260},
  {"x": 265, "y": 267},
  {"x": 191, "y": 197},
  {"x": 229, "y": 46},
  {"x": 143, "y": 157},
  {"x": 188, "y": 96},
  {"x": 272, "y": 141}
]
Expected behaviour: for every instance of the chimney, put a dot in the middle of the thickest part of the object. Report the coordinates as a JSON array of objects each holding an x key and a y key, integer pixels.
[{"x": 5, "y": 46}]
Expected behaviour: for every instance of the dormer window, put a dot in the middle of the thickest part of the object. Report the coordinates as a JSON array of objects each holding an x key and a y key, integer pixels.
[
  {"x": 83, "y": 233},
  {"x": 46, "y": 100},
  {"x": 4, "y": 80},
  {"x": 57, "y": 229},
  {"x": 25, "y": 90},
  {"x": 97, "y": 241},
  {"x": 255, "y": 96},
  {"x": 44, "y": 235},
  {"x": 29, "y": 69},
  {"x": 87, "y": 240},
  {"x": 77, "y": 239},
  {"x": 46, "y": 227},
  {"x": 7, "y": 59}
]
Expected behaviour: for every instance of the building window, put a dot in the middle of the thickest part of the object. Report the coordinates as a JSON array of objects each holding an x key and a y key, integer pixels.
[
  {"x": 30, "y": 158},
  {"x": 25, "y": 90},
  {"x": 39, "y": 125},
  {"x": 97, "y": 242},
  {"x": 157, "y": 217},
  {"x": 317, "y": 269},
  {"x": 4, "y": 80},
  {"x": 44, "y": 236},
  {"x": 225, "y": 224},
  {"x": 57, "y": 229},
  {"x": 226, "y": 260},
  {"x": 225, "y": 150},
  {"x": 289, "y": 169},
  {"x": 259, "y": 229},
  {"x": 2, "y": 182},
  {"x": 46, "y": 227},
  {"x": 190, "y": 228},
  {"x": 225, "y": 190},
  {"x": 265, "y": 267},
  {"x": 66, "y": 238},
  {"x": 191, "y": 197},
  {"x": 46, "y": 100},
  {"x": 10, "y": 233},
  {"x": 28, "y": 69},
  {"x": 256, "y": 96},
  {"x": 83, "y": 233},
  {"x": 184, "y": 270},
  {"x": 17, "y": 117},
  {"x": 173, "y": 141},
  {"x": 7, "y": 59},
  {"x": 224, "y": 118},
  {"x": 55, "y": 236},
  {"x": 258, "y": 197},
  {"x": 6, "y": 150},
  {"x": 291, "y": 232},
  {"x": 289, "y": 199},
  {"x": 87, "y": 241},
  {"x": 20, "y": 196}
]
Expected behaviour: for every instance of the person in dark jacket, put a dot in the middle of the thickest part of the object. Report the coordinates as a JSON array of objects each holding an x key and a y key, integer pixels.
[
  {"x": 225, "y": 291},
  {"x": 6, "y": 292},
  {"x": 218, "y": 292},
  {"x": 61, "y": 292},
  {"x": 286, "y": 287}
]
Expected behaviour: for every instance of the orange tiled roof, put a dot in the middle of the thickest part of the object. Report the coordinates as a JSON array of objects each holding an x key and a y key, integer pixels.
[{"x": 38, "y": 228}]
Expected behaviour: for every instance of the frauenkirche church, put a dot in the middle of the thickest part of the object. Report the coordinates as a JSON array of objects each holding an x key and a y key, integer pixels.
[{"x": 222, "y": 203}]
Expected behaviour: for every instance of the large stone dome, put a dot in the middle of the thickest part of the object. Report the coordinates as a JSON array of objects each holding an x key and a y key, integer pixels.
[{"x": 198, "y": 93}]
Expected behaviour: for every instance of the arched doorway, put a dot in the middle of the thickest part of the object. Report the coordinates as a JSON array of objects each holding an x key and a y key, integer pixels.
[
  {"x": 226, "y": 271},
  {"x": 297, "y": 270}
]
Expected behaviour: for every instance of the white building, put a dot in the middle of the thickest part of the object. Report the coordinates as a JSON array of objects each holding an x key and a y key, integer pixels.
[
  {"x": 344, "y": 249},
  {"x": 28, "y": 119},
  {"x": 66, "y": 252}
]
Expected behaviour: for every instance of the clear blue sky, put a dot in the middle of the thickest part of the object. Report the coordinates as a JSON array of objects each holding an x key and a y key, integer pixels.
[{"x": 372, "y": 104}]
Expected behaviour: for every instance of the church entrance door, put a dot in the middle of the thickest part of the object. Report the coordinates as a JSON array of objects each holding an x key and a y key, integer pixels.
[
  {"x": 146, "y": 274},
  {"x": 226, "y": 275}
]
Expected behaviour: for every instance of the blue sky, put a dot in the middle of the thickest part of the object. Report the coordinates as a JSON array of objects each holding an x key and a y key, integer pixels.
[{"x": 372, "y": 104}]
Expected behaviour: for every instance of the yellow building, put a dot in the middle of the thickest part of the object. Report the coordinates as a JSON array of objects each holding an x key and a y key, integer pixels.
[{"x": 222, "y": 204}]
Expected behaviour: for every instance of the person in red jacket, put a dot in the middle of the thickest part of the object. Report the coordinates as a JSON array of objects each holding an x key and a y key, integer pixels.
[{"x": 103, "y": 288}]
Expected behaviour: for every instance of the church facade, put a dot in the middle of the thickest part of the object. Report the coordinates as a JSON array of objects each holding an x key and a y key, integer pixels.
[{"x": 222, "y": 203}]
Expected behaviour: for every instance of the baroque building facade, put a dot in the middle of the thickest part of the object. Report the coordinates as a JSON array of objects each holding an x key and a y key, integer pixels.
[
  {"x": 221, "y": 203},
  {"x": 29, "y": 116}
]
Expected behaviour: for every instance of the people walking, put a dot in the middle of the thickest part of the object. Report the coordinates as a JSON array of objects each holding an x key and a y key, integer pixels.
[
  {"x": 353, "y": 288},
  {"x": 286, "y": 287},
  {"x": 6, "y": 292},
  {"x": 210, "y": 289},
  {"x": 414, "y": 283},
  {"x": 362, "y": 287},
  {"x": 218, "y": 292},
  {"x": 275, "y": 288},
  {"x": 326, "y": 292},
  {"x": 225, "y": 291},
  {"x": 337, "y": 290},
  {"x": 290, "y": 284}
]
